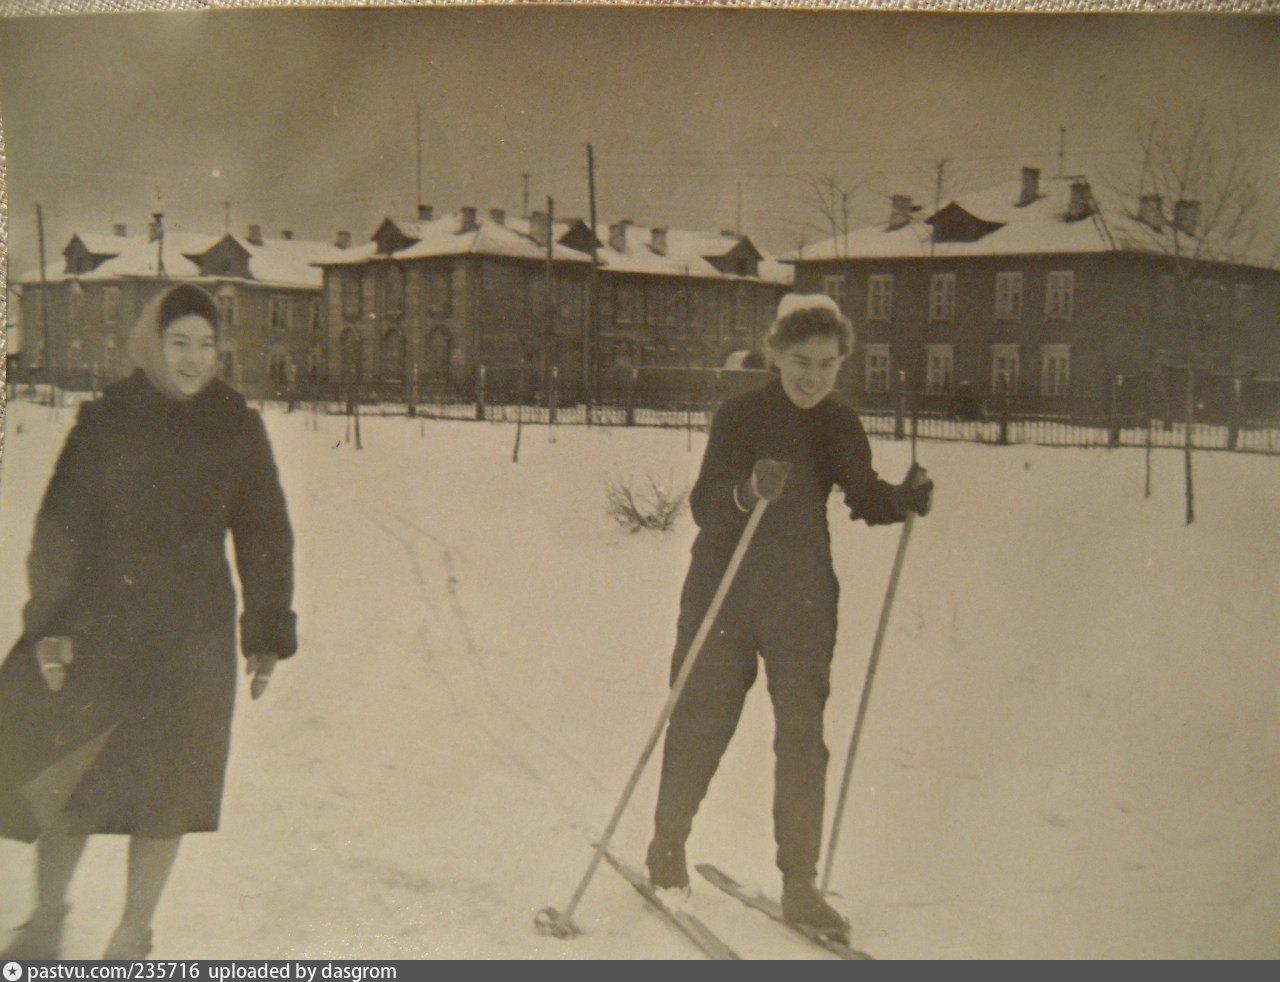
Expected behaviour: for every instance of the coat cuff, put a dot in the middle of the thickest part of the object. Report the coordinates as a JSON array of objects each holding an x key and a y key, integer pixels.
[{"x": 269, "y": 632}]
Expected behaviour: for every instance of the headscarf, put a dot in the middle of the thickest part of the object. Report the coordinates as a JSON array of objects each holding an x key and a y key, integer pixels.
[{"x": 146, "y": 341}]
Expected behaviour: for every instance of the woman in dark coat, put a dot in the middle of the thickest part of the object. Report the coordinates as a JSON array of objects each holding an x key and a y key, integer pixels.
[{"x": 116, "y": 702}]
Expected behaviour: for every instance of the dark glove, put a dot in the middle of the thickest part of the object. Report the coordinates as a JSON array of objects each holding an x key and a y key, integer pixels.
[
  {"x": 767, "y": 480},
  {"x": 914, "y": 494}
]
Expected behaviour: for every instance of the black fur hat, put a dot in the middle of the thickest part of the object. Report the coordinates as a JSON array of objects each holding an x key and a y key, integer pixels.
[{"x": 184, "y": 299}]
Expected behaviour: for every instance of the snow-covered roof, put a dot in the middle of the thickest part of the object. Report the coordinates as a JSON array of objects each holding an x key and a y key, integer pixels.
[
  {"x": 445, "y": 236},
  {"x": 686, "y": 252},
  {"x": 276, "y": 262},
  {"x": 1038, "y": 228}
]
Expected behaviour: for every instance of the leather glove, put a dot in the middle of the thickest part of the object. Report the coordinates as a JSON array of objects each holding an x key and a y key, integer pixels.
[
  {"x": 259, "y": 668},
  {"x": 53, "y": 655},
  {"x": 914, "y": 494},
  {"x": 768, "y": 478}
]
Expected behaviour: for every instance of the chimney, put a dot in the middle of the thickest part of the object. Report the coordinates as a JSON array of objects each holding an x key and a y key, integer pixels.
[
  {"x": 120, "y": 230},
  {"x": 1151, "y": 211},
  {"x": 1186, "y": 216},
  {"x": 498, "y": 216},
  {"x": 153, "y": 231},
  {"x": 287, "y": 233},
  {"x": 658, "y": 239},
  {"x": 538, "y": 227},
  {"x": 468, "y": 214},
  {"x": 900, "y": 211},
  {"x": 255, "y": 234},
  {"x": 1030, "y": 186},
  {"x": 426, "y": 213},
  {"x": 618, "y": 234},
  {"x": 344, "y": 239},
  {"x": 728, "y": 233},
  {"x": 1081, "y": 203}
]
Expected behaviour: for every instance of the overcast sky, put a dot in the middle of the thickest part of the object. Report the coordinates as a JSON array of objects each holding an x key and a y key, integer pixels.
[{"x": 307, "y": 119}]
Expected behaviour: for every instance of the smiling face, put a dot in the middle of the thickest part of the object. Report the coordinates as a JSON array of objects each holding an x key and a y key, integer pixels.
[
  {"x": 190, "y": 349},
  {"x": 808, "y": 369}
]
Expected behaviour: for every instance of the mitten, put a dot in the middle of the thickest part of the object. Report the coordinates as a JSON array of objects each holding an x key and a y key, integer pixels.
[
  {"x": 53, "y": 655},
  {"x": 914, "y": 494},
  {"x": 260, "y": 668},
  {"x": 768, "y": 478}
]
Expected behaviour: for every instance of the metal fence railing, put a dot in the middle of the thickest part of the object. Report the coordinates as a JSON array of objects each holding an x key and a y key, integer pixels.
[{"x": 1239, "y": 417}]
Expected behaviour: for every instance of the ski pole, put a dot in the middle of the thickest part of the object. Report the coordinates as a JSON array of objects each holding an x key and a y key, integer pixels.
[
  {"x": 553, "y": 922},
  {"x": 881, "y": 627}
]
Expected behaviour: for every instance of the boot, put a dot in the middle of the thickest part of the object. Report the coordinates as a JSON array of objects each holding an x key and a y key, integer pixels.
[
  {"x": 40, "y": 939},
  {"x": 803, "y": 904},
  {"x": 128, "y": 944},
  {"x": 667, "y": 868}
]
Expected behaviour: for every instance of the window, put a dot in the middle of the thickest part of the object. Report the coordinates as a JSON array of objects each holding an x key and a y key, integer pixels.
[
  {"x": 1166, "y": 300},
  {"x": 1004, "y": 368},
  {"x": 833, "y": 286},
  {"x": 111, "y": 305},
  {"x": 628, "y": 303},
  {"x": 942, "y": 296},
  {"x": 369, "y": 291},
  {"x": 315, "y": 326},
  {"x": 351, "y": 294},
  {"x": 1008, "y": 296},
  {"x": 278, "y": 314},
  {"x": 877, "y": 368},
  {"x": 743, "y": 306},
  {"x": 1055, "y": 369},
  {"x": 1242, "y": 305},
  {"x": 1211, "y": 302},
  {"x": 439, "y": 351},
  {"x": 395, "y": 289},
  {"x": 879, "y": 297},
  {"x": 227, "y": 309},
  {"x": 939, "y": 367},
  {"x": 1059, "y": 287},
  {"x": 278, "y": 367},
  {"x": 394, "y": 351}
]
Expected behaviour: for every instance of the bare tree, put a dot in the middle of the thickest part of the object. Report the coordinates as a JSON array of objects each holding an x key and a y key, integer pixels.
[
  {"x": 832, "y": 202},
  {"x": 1207, "y": 172}
]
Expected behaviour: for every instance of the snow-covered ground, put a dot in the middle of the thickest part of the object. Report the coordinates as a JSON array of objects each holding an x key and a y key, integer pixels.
[{"x": 1072, "y": 749}]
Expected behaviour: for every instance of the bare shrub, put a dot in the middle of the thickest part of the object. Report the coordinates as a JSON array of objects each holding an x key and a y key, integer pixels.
[{"x": 652, "y": 506}]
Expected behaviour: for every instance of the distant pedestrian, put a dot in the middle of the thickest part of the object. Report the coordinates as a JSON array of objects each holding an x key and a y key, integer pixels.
[
  {"x": 789, "y": 443},
  {"x": 965, "y": 404},
  {"x": 116, "y": 702}
]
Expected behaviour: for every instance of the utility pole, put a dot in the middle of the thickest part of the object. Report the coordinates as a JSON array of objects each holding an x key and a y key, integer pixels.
[
  {"x": 524, "y": 205},
  {"x": 160, "y": 272},
  {"x": 738, "y": 226},
  {"x": 1062, "y": 150},
  {"x": 939, "y": 177},
  {"x": 549, "y": 339},
  {"x": 589, "y": 328},
  {"x": 226, "y": 221},
  {"x": 49, "y": 361},
  {"x": 418, "y": 200}
]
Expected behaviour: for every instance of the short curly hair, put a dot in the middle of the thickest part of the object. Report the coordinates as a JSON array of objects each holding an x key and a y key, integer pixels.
[{"x": 803, "y": 323}]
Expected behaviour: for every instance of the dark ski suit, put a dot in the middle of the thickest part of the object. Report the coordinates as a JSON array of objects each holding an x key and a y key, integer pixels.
[{"x": 782, "y": 606}]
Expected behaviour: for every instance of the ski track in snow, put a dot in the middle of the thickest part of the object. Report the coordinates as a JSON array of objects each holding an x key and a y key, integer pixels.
[{"x": 482, "y": 654}]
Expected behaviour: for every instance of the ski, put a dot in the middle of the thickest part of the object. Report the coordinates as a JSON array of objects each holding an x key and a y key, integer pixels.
[
  {"x": 771, "y": 907},
  {"x": 689, "y": 924}
]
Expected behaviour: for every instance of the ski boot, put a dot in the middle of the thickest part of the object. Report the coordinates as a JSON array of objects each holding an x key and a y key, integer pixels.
[
  {"x": 668, "y": 872},
  {"x": 803, "y": 904}
]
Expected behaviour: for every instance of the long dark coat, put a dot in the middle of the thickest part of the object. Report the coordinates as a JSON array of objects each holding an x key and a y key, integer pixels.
[{"x": 128, "y": 558}]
